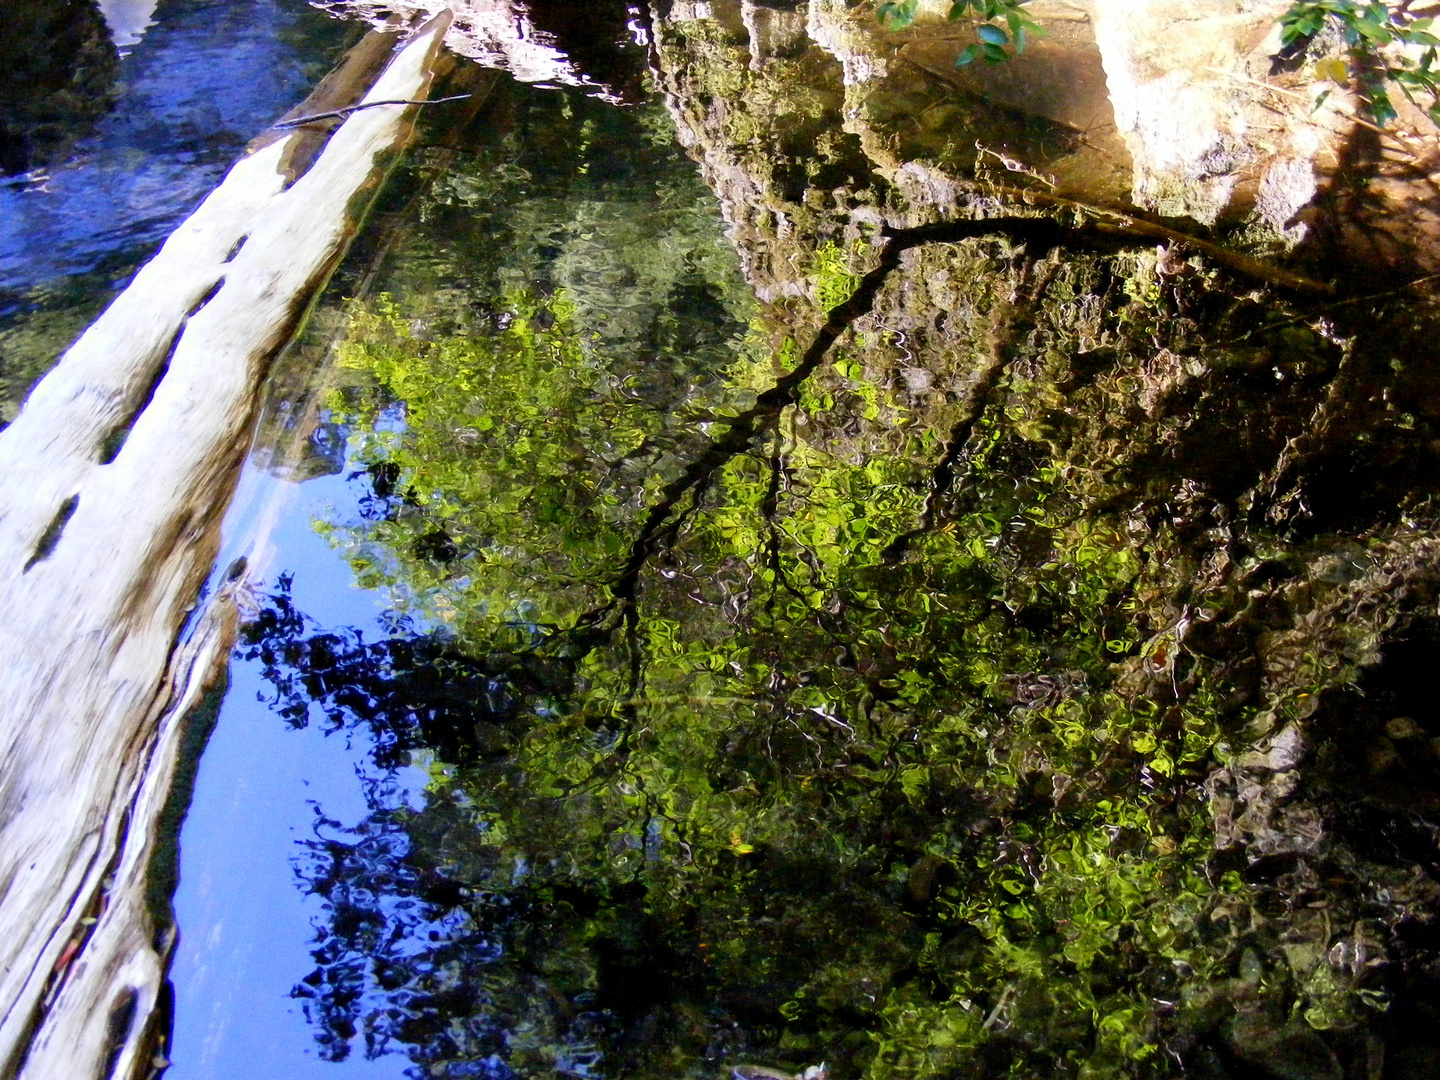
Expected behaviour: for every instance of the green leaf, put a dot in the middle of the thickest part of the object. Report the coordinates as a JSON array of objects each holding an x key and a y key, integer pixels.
[
  {"x": 991, "y": 34},
  {"x": 1372, "y": 31},
  {"x": 1380, "y": 107},
  {"x": 967, "y": 54},
  {"x": 897, "y": 14},
  {"x": 994, "y": 54}
]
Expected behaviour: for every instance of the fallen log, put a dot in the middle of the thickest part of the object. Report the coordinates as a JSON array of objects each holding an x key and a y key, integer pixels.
[{"x": 114, "y": 479}]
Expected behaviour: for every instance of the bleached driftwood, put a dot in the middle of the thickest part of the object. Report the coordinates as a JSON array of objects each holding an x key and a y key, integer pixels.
[{"x": 113, "y": 482}]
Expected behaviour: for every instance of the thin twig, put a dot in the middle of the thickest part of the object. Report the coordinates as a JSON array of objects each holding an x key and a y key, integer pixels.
[
  {"x": 1403, "y": 139},
  {"x": 1256, "y": 82},
  {"x": 1327, "y": 307},
  {"x": 340, "y": 114}
]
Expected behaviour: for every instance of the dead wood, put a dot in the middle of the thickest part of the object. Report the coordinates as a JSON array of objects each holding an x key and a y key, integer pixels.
[{"x": 114, "y": 479}]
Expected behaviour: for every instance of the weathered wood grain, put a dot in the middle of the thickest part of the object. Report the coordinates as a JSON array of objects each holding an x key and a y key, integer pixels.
[{"x": 113, "y": 482}]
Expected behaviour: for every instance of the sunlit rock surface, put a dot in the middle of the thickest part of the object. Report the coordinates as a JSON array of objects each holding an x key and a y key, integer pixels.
[
  {"x": 1186, "y": 82},
  {"x": 1222, "y": 128},
  {"x": 1181, "y": 110}
]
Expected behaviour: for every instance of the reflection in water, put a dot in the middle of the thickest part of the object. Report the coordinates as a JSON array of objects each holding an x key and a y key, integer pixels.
[
  {"x": 550, "y": 43},
  {"x": 128, "y": 20},
  {"x": 207, "y": 77},
  {"x": 1031, "y": 687},
  {"x": 244, "y": 928},
  {"x": 979, "y": 660}
]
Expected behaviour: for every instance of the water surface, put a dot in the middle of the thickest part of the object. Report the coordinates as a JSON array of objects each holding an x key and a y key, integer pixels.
[
  {"x": 697, "y": 628},
  {"x": 1016, "y": 686}
]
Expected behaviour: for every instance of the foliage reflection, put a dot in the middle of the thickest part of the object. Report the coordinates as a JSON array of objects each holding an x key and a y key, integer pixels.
[{"x": 916, "y": 730}]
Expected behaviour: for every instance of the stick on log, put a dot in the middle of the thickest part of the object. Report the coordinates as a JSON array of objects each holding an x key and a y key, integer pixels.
[{"x": 340, "y": 114}]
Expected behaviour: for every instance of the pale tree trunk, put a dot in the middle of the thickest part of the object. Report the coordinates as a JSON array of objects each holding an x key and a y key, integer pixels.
[{"x": 113, "y": 482}]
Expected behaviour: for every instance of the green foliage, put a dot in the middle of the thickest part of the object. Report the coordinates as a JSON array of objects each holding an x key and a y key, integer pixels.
[
  {"x": 776, "y": 699},
  {"x": 1000, "y": 23},
  {"x": 834, "y": 274},
  {"x": 503, "y": 450},
  {"x": 888, "y": 722},
  {"x": 1386, "y": 42},
  {"x": 935, "y": 815}
]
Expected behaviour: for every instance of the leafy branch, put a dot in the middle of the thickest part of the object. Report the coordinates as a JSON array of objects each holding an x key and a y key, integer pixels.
[
  {"x": 991, "y": 36},
  {"x": 1386, "y": 43}
]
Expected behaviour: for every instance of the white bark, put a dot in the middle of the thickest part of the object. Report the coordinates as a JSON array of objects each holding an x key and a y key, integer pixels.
[{"x": 92, "y": 686}]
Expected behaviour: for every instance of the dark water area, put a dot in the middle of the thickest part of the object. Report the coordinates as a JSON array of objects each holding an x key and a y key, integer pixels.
[
  {"x": 60, "y": 65},
  {"x": 169, "y": 120}
]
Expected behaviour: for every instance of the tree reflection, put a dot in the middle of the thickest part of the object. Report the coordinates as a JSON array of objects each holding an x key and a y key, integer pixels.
[
  {"x": 784, "y": 703},
  {"x": 714, "y": 776}
]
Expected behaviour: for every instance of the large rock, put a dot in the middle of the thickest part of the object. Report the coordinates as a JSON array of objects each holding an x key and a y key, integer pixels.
[
  {"x": 1179, "y": 109},
  {"x": 1220, "y": 130},
  {"x": 1180, "y": 79}
]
